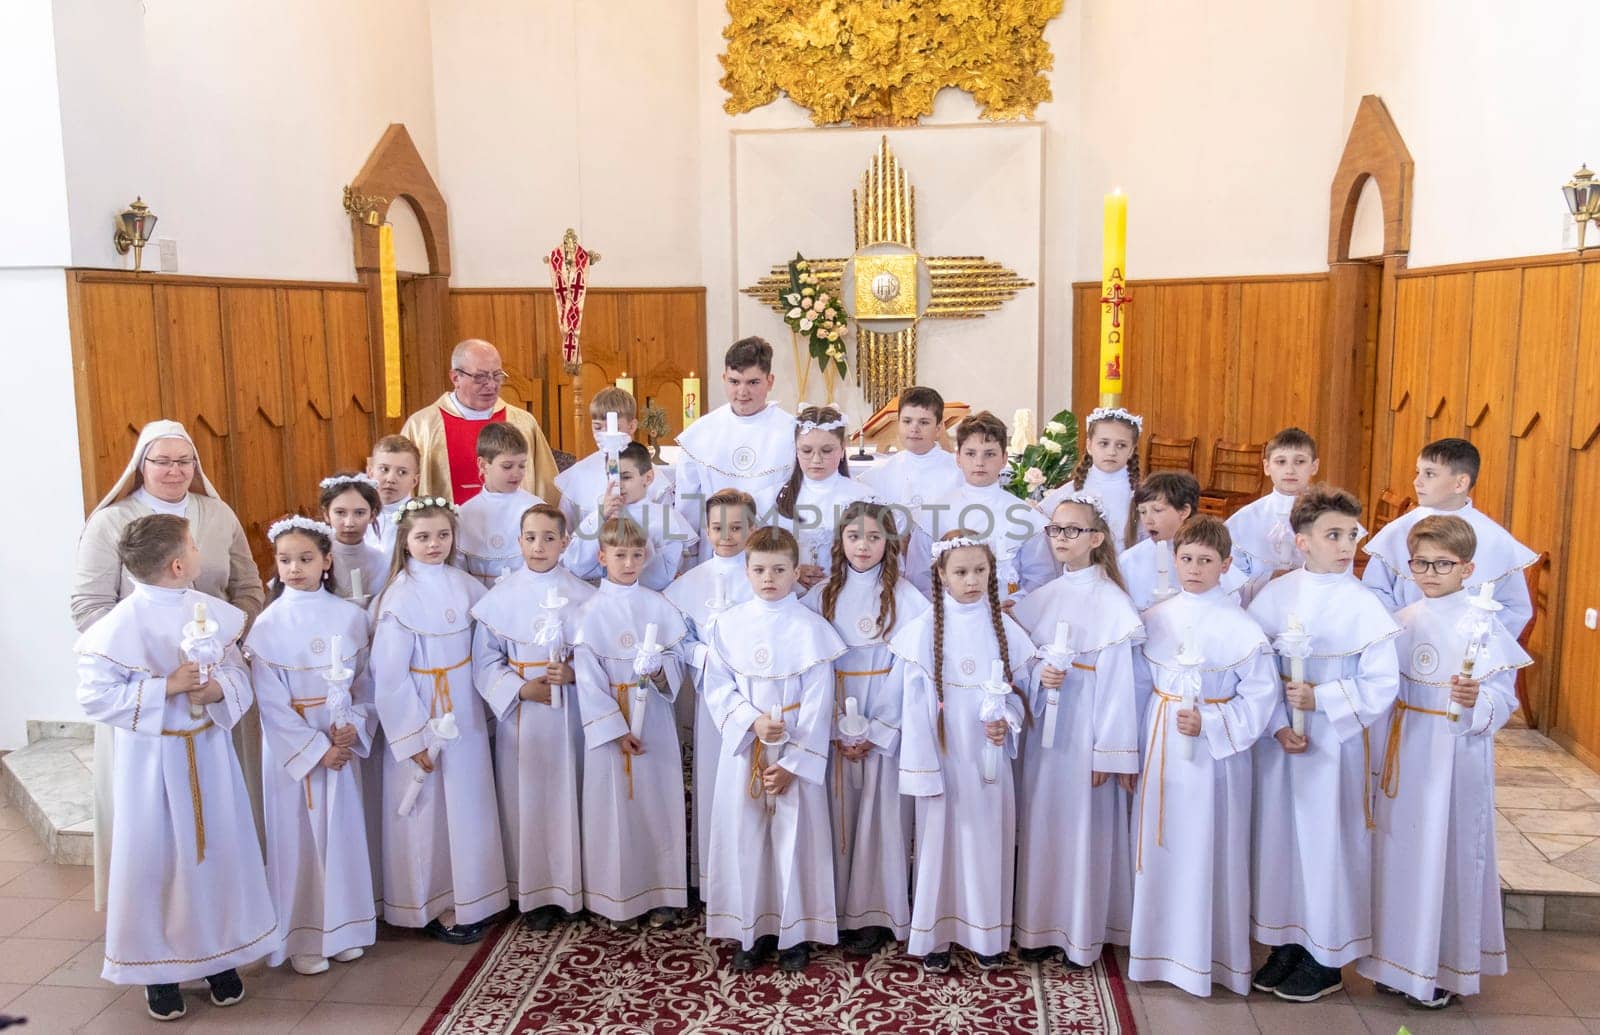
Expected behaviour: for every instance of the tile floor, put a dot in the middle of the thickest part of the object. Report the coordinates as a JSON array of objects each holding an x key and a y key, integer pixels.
[{"x": 1549, "y": 838}]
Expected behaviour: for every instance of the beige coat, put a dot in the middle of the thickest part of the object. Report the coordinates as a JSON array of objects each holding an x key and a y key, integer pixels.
[
  {"x": 226, "y": 567},
  {"x": 426, "y": 429}
]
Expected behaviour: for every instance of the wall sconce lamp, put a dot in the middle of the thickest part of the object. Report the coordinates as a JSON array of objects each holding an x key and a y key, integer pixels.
[
  {"x": 1583, "y": 201},
  {"x": 364, "y": 208},
  {"x": 134, "y": 226}
]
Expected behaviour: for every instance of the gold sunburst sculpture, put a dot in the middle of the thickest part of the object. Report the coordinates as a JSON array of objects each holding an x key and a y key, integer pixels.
[
  {"x": 880, "y": 62},
  {"x": 887, "y": 271}
]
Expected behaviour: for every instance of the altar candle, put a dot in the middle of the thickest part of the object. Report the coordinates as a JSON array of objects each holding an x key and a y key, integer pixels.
[
  {"x": 1113, "y": 293},
  {"x": 356, "y": 579},
  {"x": 691, "y": 399},
  {"x": 625, "y": 383}
]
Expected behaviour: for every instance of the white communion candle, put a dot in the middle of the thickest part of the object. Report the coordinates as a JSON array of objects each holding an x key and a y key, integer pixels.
[
  {"x": 1060, "y": 644},
  {"x": 1164, "y": 569},
  {"x": 636, "y": 714},
  {"x": 650, "y": 644},
  {"x": 552, "y": 596},
  {"x": 336, "y": 654},
  {"x": 719, "y": 591},
  {"x": 356, "y": 578},
  {"x": 200, "y": 616},
  {"x": 1297, "y": 671},
  {"x": 611, "y": 422}
]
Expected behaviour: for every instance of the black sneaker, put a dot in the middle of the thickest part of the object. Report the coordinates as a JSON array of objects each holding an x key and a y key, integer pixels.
[
  {"x": 1389, "y": 989},
  {"x": 795, "y": 958},
  {"x": 1037, "y": 955},
  {"x": 226, "y": 988},
  {"x": 744, "y": 961},
  {"x": 164, "y": 1002},
  {"x": 936, "y": 962},
  {"x": 666, "y": 916},
  {"x": 1309, "y": 982},
  {"x": 1440, "y": 1000},
  {"x": 990, "y": 962},
  {"x": 1280, "y": 964}
]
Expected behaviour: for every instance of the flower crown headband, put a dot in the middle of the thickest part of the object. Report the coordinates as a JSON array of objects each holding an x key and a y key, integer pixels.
[
  {"x": 802, "y": 427},
  {"x": 1100, "y": 413},
  {"x": 297, "y": 523},
  {"x": 336, "y": 480},
  {"x": 1088, "y": 499},
  {"x": 944, "y": 546},
  {"x": 416, "y": 503}
]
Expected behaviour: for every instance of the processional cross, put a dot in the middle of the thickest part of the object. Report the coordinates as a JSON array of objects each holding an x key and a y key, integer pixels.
[{"x": 887, "y": 276}]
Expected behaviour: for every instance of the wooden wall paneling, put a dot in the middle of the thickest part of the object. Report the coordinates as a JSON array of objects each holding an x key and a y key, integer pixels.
[
  {"x": 311, "y": 404},
  {"x": 1490, "y": 366},
  {"x": 189, "y": 327},
  {"x": 1283, "y": 358},
  {"x": 1444, "y": 394},
  {"x": 252, "y": 341},
  {"x": 356, "y": 403},
  {"x": 118, "y": 366},
  {"x": 520, "y": 349},
  {"x": 1345, "y": 403},
  {"x": 663, "y": 334},
  {"x": 1541, "y": 420},
  {"x": 1575, "y": 715},
  {"x": 1408, "y": 422},
  {"x": 474, "y": 315},
  {"x": 1085, "y": 350}
]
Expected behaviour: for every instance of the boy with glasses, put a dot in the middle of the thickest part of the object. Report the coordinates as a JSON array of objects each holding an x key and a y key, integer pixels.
[
  {"x": 1446, "y": 472},
  {"x": 1437, "y": 926}
]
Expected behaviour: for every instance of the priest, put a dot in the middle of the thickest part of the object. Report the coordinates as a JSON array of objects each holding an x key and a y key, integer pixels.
[{"x": 446, "y": 430}]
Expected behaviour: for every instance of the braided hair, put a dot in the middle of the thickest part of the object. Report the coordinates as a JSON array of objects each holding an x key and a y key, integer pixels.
[
  {"x": 888, "y": 576},
  {"x": 995, "y": 614},
  {"x": 1081, "y": 473}
]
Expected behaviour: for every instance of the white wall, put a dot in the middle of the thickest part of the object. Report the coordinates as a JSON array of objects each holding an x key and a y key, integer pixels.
[
  {"x": 568, "y": 113},
  {"x": 238, "y": 123},
  {"x": 38, "y": 540},
  {"x": 1497, "y": 105}
]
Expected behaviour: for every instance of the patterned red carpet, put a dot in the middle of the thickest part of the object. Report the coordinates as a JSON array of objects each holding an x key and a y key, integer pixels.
[{"x": 590, "y": 978}]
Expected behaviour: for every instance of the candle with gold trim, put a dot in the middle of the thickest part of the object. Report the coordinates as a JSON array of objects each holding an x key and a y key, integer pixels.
[
  {"x": 625, "y": 383},
  {"x": 691, "y": 399},
  {"x": 1113, "y": 298}
]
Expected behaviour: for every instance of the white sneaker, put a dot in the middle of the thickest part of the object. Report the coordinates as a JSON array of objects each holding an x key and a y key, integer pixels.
[
  {"x": 349, "y": 955},
  {"x": 308, "y": 965}
]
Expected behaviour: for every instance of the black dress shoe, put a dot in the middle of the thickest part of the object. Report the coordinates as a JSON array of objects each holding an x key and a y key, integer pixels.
[
  {"x": 936, "y": 962},
  {"x": 1280, "y": 964},
  {"x": 795, "y": 958},
  {"x": 1440, "y": 1000},
  {"x": 867, "y": 941},
  {"x": 992, "y": 961},
  {"x": 542, "y": 919},
  {"x": 1037, "y": 955},
  {"x": 1309, "y": 982},
  {"x": 460, "y": 934},
  {"x": 744, "y": 961},
  {"x": 164, "y": 1002},
  {"x": 226, "y": 988}
]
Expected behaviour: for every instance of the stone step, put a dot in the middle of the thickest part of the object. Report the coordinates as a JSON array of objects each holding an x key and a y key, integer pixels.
[{"x": 51, "y": 781}]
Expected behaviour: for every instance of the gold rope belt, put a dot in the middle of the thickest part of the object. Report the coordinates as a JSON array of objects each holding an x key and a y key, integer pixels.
[
  {"x": 839, "y": 676},
  {"x": 300, "y": 704},
  {"x": 194, "y": 786},
  {"x": 1160, "y": 729},
  {"x": 627, "y": 720},
  {"x": 758, "y": 760},
  {"x": 522, "y": 673},
  {"x": 1366, "y": 770},
  {"x": 1389, "y": 779},
  {"x": 441, "y": 685}
]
